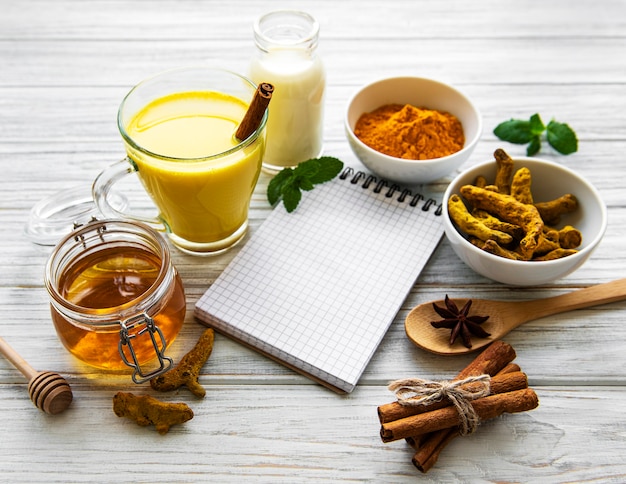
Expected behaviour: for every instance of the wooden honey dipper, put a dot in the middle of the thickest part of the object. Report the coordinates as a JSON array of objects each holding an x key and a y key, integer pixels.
[{"x": 49, "y": 391}]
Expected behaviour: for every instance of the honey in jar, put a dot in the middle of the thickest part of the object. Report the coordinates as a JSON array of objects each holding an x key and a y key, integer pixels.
[{"x": 116, "y": 299}]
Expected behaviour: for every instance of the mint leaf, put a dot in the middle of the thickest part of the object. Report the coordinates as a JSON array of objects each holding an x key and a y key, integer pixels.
[
  {"x": 536, "y": 125},
  {"x": 275, "y": 186},
  {"x": 562, "y": 138},
  {"x": 534, "y": 146},
  {"x": 559, "y": 135},
  {"x": 515, "y": 131},
  {"x": 289, "y": 183},
  {"x": 305, "y": 184},
  {"x": 329, "y": 169},
  {"x": 291, "y": 197},
  {"x": 307, "y": 169}
]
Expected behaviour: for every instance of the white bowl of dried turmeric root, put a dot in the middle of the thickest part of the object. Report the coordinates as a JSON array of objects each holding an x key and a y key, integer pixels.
[{"x": 523, "y": 221}]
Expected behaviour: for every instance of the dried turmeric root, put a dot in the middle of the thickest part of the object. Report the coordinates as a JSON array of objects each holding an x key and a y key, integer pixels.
[
  {"x": 504, "y": 171},
  {"x": 551, "y": 211},
  {"x": 188, "y": 369},
  {"x": 570, "y": 237},
  {"x": 520, "y": 186},
  {"x": 492, "y": 247},
  {"x": 510, "y": 210},
  {"x": 146, "y": 410},
  {"x": 473, "y": 226},
  {"x": 496, "y": 224},
  {"x": 507, "y": 207},
  {"x": 557, "y": 254}
]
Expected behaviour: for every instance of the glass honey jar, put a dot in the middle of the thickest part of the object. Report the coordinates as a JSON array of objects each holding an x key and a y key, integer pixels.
[{"x": 117, "y": 301}]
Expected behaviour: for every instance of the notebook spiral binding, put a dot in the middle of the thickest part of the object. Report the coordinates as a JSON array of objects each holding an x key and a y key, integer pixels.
[{"x": 392, "y": 188}]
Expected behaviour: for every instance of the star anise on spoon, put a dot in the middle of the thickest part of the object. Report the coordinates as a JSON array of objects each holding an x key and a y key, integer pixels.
[{"x": 459, "y": 322}]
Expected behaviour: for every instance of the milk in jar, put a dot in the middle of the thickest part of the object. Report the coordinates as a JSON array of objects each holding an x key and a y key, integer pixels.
[{"x": 286, "y": 57}]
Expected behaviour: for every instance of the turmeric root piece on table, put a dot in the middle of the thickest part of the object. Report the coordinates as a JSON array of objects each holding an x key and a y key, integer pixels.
[
  {"x": 146, "y": 410},
  {"x": 188, "y": 369}
]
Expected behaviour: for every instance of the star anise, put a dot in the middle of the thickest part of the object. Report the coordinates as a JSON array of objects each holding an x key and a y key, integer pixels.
[{"x": 459, "y": 322}]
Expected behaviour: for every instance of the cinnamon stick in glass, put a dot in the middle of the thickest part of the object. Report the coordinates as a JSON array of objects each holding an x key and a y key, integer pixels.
[{"x": 252, "y": 119}]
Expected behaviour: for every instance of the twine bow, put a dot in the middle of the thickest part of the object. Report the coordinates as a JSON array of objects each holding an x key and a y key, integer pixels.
[{"x": 415, "y": 391}]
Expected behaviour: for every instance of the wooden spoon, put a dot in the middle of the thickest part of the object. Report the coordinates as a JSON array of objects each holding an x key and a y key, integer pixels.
[
  {"x": 504, "y": 316},
  {"x": 49, "y": 391}
]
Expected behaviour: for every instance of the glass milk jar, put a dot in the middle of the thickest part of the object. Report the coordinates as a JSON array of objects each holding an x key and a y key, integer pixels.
[
  {"x": 116, "y": 299},
  {"x": 286, "y": 57}
]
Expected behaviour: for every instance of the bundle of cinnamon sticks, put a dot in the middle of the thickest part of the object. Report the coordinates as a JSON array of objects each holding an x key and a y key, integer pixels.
[{"x": 430, "y": 427}]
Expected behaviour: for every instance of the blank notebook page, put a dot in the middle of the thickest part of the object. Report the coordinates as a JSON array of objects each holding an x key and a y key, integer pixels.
[{"x": 318, "y": 288}]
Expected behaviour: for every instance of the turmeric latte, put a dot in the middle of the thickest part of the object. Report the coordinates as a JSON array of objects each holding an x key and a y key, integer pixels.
[{"x": 410, "y": 132}]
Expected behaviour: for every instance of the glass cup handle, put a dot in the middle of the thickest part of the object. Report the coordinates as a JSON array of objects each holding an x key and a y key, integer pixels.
[{"x": 103, "y": 185}]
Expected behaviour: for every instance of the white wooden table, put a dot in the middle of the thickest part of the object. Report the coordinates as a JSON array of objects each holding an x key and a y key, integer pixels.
[{"x": 64, "y": 68}]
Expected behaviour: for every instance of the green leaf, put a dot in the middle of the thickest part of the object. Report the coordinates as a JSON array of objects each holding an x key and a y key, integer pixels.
[
  {"x": 329, "y": 168},
  {"x": 291, "y": 197},
  {"x": 534, "y": 146},
  {"x": 307, "y": 169},
  {"x": 289, "y": 183},
  {"x": 536, "y": 125},
  {"x": 562, "y": 138},
  {"x": 559, "y": 135},
  {"x": 515, "y": 131},
  {"x": 305, "y": 184},
  {"x": 275, "y": 186}
]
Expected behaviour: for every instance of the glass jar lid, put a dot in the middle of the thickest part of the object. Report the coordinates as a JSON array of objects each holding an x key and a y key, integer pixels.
[{"x": 55, "y": 216}]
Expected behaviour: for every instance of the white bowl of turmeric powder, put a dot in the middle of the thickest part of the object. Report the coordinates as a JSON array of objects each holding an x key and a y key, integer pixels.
[
  {"x": 412, "y": 130},
  {"x": 564, "y": 226}
]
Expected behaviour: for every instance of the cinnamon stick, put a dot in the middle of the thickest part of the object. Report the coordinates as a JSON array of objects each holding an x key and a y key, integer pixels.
[
  {"x": 486, "y": 408},
  {"x": 427, "y": 455},
  {"x": 495, "y": 357},
  {"x": 428, "y": 447},
  {"x": 500, "y": 383},
  {"x": 510, "y": 368},
  {"x": 490, "y": 361},
  {"x": 252, "y": 119}
]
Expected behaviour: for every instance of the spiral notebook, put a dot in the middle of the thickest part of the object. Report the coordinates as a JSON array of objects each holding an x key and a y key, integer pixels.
[{"x": 318, "y": 288}]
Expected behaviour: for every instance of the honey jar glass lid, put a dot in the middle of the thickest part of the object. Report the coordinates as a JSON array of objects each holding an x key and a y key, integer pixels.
[{"x": 53, "y": 217}]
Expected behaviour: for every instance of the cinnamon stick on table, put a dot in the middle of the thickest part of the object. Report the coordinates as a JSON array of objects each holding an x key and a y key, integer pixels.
[
  {"x": 486, "y": 408},
  {"x": 500, "y": 383},
  {"x": 429, "y": 450},
  {"x": 252, "y": 119},
  {"x": 428, "y": 447},
  {"x": 490, "y": 361},
  {"x": 417, "y": 440},
  {"x": 497, "y": 357}
]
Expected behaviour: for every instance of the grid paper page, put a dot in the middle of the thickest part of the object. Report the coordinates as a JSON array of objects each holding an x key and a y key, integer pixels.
[{"x": 318, "y": 288}]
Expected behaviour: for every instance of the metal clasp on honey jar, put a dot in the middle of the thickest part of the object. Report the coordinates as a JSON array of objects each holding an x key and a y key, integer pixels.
[
  {"x": 126, "y": 340},
  {"x": 117, "y": 302}
]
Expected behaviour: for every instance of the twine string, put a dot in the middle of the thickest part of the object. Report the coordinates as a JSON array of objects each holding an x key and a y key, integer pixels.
[{"x": 415, "y": 391}]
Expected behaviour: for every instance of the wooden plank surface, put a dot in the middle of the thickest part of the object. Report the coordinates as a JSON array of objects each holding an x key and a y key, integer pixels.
[{"x": 66, "y": 65}]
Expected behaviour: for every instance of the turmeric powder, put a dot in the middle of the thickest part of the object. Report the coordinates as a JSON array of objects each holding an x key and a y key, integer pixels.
[{"x": 409, "y": 132}]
